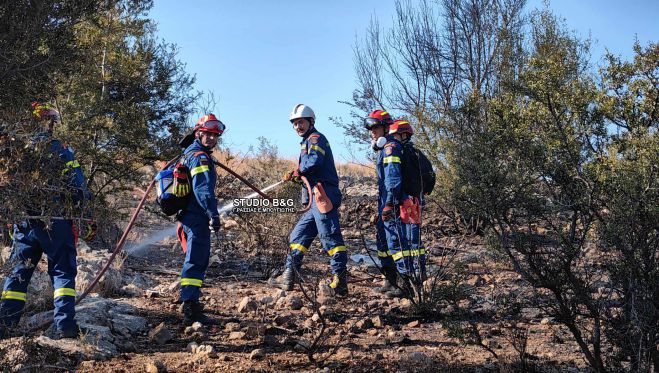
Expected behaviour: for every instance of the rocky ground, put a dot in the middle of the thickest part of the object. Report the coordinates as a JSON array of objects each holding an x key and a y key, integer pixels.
[{"x": 133, "y": 320}]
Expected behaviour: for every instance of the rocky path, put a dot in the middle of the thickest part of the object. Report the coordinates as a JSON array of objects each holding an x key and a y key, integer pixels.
[{"x": 134, "y": 322}]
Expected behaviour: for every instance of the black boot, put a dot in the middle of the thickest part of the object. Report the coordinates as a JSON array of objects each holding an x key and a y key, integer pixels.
[
  {"x": 72, "y": 333},
  {"x": 390, "y": 277},
  {"x": 340, "y": 283},
  {"x": 193, "y": 312},
  {"x": 286, "y": 281}
]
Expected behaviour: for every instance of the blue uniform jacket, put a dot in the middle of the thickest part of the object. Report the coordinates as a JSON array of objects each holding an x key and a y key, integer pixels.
[
  {"x": 316, "y": 160},
  {"x": 204, "y": 178},
  {"x": 390, "y": 178},
  {"x": 74, "y": 179}
]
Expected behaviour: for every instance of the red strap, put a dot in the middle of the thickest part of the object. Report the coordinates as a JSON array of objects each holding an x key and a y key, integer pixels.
[
  {"x": 76, "y": 233},
  {"x": 180, "y": 233}
]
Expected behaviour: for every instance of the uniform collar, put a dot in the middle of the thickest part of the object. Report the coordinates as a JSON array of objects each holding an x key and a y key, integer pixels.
[
  {"x": 310, "y": 132},
  {"x": 197, "y": 144}
]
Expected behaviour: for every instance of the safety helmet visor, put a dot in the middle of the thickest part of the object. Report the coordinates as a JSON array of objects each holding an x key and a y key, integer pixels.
[
  {"x": 212, "y": 126},
  {"x": 370, "y": 123}
]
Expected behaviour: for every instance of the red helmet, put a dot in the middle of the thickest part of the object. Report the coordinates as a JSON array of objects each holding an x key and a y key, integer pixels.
[
  {"x": 401, "y": 126},
  {"x": 210, "y": 123},
  {"x": 377, "y": 118},
  {"x": 43, "y": 111}
]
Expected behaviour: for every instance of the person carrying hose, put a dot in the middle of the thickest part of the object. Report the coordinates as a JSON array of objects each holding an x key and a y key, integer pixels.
[
  {"x": 316, "y": 163},
  {"x": 199, "y": 217}
]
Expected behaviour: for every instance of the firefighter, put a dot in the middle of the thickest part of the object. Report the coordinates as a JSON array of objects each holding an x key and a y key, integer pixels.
[
  {"x": 391, "y": 237},
  {"x": 199, "y": 217},
  {"x": 413, "y": 261},
  {"x": 316, "y": 163},
  {"x": 58, "y": 240}
]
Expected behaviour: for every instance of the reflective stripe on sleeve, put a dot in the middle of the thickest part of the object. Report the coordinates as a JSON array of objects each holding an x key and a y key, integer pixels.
[{"x": 198, "y": 170}]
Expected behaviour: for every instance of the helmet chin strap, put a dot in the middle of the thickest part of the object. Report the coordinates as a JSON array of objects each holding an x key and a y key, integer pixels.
[{"x": 311, "y": 127}]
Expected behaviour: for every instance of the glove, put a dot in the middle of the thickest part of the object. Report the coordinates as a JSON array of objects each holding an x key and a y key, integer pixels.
[
  {"x": 388, "y": 212},
  {"x": 293, "y": 175},
  {"x": 89, "y": 230},
  {"x": 215, "y": 224}
]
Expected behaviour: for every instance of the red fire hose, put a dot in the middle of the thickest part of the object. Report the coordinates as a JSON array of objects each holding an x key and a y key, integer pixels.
[{"x": 131, "y": 222}]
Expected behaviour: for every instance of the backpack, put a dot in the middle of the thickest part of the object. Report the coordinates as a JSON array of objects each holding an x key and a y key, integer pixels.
[
  {"x": 173, "y": 187},
  {"x": 418, "y": 175}
]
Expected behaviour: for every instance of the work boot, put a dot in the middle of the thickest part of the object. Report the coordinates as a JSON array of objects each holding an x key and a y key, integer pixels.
[
  {"x": 339, "y": 283},
  {"x": 390, "y": 277},
  {"x": 193, "y": 312},
  {"x": 401, "y": 289},
  {"x": 72, "y": 333},
  {"x": 286, "y": 281}
]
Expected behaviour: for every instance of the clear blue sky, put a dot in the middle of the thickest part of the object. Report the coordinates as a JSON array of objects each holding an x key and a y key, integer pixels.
[{"x": 261, "y": 57}]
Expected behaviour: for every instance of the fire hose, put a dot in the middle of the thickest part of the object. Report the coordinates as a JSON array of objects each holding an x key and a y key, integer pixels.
[
  {"x": 304, "y": 181},
  {"x": 131, "y": 222}
]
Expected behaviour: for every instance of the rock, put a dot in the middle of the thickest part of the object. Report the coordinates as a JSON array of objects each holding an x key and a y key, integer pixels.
[
  {"x": 280, "y": 293},
  {"x": 127, "y": 325},
  {"x": 205, "y": 350},
  {"x": 315, "y": 317},
  {"x": 413, "y": 324},
  {"x": 247, "y": 304},
  {"x": 155, "y": 367},
  {"x": 197, "y": 326},
  {"x": 294, "y": 302},
  {"x": 302, "y": 346},
  {"x": 324, "y": 290},
  {"x": 418, "y": 357},
  {"x": 373, "y": 304},
  {"x": 364, "y": 324},
  {"x": 230, "y": 224},
  {"x": 267, "y": 300},
  {"x": 377, "y": 321},
  {"x": 257, "y": 354},
  {"x": 173, "y": 286},
  {"x": 545, "y": 321},
  {"x": 160, "y": 334},
  {"x": 280, "y": 320},
  {"x": 475, "y": 281},
  {"x": 236, "y": 335},
  {"x": 254, "y": 331},
  {"x": 280, "y": 303},
  {"x": 192, "y": 347},
  {"x": 231, "y": 327},
  {"x": 214, "y": 259}
]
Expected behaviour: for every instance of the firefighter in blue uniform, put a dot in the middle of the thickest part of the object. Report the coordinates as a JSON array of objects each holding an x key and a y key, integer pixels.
[
  {"x": 390, "y": 196},
  {"x": 378, "y": 123},
  {"x": 199, "y": 217},
  {"x": 32, "y": 238},
  {"x": 414, "y": 260},
  {"x": 316, "y": 163}
]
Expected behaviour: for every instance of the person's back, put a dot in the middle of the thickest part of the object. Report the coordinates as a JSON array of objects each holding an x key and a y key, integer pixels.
[{"x": 32, "y": 237}]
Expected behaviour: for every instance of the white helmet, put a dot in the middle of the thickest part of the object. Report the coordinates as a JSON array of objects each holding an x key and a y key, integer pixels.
[{"x": 302, "y": 111}]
